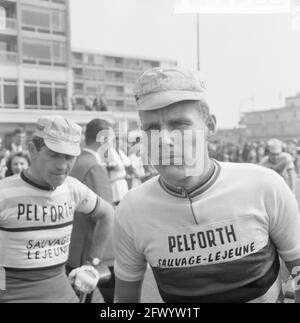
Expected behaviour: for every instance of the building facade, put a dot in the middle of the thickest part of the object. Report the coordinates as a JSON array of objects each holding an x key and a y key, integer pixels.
[
  {"x": 236, "y": 136},
  {"x": 39, "y": 74},
  {"x": 35, "y": 59},
  {"x": 283, "y": 123},
  {"x": 105, "y": 81}
]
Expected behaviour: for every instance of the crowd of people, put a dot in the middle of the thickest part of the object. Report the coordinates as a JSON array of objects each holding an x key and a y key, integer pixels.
[
  {"x": 126, "y": 168},
  {"x": 211, "y": 231},
  {"x": 281, "y": 156},
  {"x": 249, "y": 152}
]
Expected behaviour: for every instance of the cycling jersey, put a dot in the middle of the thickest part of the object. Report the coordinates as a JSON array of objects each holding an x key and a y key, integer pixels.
[{"x": 218, "y": 242}]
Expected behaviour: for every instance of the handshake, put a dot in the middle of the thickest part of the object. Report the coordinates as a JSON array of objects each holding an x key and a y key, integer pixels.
[{"x": 86, "y": 278}]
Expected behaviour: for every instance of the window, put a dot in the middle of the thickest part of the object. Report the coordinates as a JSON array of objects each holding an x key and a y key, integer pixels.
[
  {"x": 99, "y": 60},
  {"x": 32, "y": 18},
  {"x": 2, "y": 18},
  {"x": 44, "y": 52},
  {"x": 150, "y": 64},
  {"x": 33, "y": 51},
  {"x": 93, "y": 74},
  {"x": 58, "y": 22},
  {"x": 31, "y": 96},
  {"x": 80, "y": 101},
  {"x": 130, "y": 77},
  {"x": 43, "y": 20},
  {"x": 46, "y": 97},
  {"x": 59, "y": 52},
  {"x": 10, "y": 94},
  {"x": 61, "y": 102},
  {"x": 114, "y": 90},
  {"x": 93, "y": 87},
  {"x": 78, "y": 72},
  {"x": 41, "y": 95},
  {"x": 78, "y": 58},
  {"x": 114, "y": 76},
  {"x": 78, "y": 87},
  {"x": 132, "y": 63},
  {"x": 91, "y": 59}
]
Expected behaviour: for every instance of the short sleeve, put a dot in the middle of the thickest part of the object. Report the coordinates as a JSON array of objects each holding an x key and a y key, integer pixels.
[
  {"x": 284, "y": 220},
  {"x": 86, "y": 200},
  {"x": 130, "y": 262}
]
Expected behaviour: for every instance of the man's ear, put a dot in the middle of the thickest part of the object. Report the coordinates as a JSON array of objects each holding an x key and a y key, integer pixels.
[
  {"x": 32, "y": 150},
  {"x": 212, "y": 125}
]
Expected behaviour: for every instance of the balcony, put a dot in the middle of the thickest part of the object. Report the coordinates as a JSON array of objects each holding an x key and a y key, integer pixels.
[
  {"x": 8, "y": 57},
  {"x": 111, "y": 66},
  {"x": 10, "y": 26},
  {"x": 114, "y": 80}
]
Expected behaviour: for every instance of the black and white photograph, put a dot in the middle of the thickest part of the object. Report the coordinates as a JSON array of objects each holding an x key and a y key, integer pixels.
[{"x": 150, "y": 154}]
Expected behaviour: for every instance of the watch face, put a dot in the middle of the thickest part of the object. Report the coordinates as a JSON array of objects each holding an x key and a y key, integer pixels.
[{"x": 96, "y": 261}]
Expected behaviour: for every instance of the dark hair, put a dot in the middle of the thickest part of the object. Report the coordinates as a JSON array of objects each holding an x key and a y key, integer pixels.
[
  {"x": 21, "y": 154},
  {"x": 18, "y": 131},
  {"x": 93, "y": 128},
  {"x": 38, "y": 142}
]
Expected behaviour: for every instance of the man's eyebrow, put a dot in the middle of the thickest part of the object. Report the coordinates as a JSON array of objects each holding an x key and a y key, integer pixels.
[
  {"x": 151, "y": 125},
  {"x": 179, "y": 119}
]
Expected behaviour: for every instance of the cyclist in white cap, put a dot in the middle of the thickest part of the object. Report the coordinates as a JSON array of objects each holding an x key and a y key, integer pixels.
[
  {"x": 211, "y": 231},
  {"x": 281, "y": 162},
  {"x": 36, "y": 216}
]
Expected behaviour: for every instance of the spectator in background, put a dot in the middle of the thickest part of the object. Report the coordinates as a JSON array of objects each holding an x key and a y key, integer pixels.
[
  {"x": 4, "y": 153},
  {"x": 3, "y": 167},
  {"x": 291, "y": 149},
  {"x": 139, "y": 173},
  {"x": 91, "y": 171},
  {"x": 281, "y": 162},
  {"x": 260, "y": 151},
  {"x": 18, "y": 140},
  {"x": 116, "y": 163},
  {"x": 17, "y": 163}
]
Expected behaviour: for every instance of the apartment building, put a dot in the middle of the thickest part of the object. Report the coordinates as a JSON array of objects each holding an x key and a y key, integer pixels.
[
  {"x": 282, "y": 123},
  {"x": 39, "y": 74},
  {"x": 105, "y": 80},
  {"x": 35, "y": 60}
]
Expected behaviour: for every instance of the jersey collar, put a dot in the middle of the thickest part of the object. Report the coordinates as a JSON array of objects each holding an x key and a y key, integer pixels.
[
  {"x": 30, "y": 182},
  {"x": 197, "y": 190}
]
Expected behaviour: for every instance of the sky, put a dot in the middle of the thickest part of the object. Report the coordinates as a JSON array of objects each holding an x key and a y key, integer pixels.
[{"x": 241, "y": 56}]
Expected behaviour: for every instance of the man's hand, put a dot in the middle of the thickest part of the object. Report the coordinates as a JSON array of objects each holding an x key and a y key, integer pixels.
[{"x": 85, "y": 278}]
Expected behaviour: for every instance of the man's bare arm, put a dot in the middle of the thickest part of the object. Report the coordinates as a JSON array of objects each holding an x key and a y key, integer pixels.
[
  {"x": 128, "y": 292},
  {"x": 104, "y": 217}
]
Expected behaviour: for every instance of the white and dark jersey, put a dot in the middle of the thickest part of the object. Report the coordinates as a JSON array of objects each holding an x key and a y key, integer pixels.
[
  {"x": 36, "y": 225},
  {"x": 283, "y": 164},
  {"x": 215, "y": 243}
]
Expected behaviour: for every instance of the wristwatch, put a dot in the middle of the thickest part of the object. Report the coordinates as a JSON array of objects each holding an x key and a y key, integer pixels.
[
  {"x": 103, "y": 270},
  {"x": 95, "y": 262}
]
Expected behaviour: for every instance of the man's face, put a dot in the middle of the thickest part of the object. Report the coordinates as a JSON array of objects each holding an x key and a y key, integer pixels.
[
  {"x": 19, "y": 139},
  {"x": 274, "y": 157},
  {"x": 18, "y": 164},
  {"x": 184, "y": 118},
  {"x": 51, "y": 168}
]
